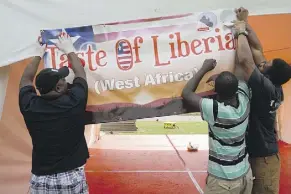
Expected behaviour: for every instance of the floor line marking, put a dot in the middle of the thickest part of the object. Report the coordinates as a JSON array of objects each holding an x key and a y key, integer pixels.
[
  {"x": 200, "y": 190},
  {"x": 196, "y": 184}
]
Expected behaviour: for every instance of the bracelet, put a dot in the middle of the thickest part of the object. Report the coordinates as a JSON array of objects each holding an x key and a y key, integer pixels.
[{"x": 245, "y": 33}]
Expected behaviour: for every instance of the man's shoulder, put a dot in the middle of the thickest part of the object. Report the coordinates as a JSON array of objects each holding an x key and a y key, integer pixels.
[
  {"x": 244, "y": 88},
  {"x": 26, "y": 88},
  {"x": 80, "y": 81},
  {"x": 207, "y": 104},
  {"x": 261, "y": 85},
  {"x": 28, "y": 98},
  {"x": 27, "y": 91}
]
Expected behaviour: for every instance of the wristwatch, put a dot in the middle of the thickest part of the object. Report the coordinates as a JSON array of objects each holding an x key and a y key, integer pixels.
[{"x": 245, "y": 33}]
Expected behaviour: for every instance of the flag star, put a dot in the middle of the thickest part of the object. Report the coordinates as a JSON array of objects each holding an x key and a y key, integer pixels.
[{"x": 74, "y": 39}]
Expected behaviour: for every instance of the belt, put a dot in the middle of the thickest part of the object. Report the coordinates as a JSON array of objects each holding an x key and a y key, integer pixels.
[{"x": 80, "y": 168}]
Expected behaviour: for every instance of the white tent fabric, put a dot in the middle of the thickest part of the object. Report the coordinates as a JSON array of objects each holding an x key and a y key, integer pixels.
[{"x": 21, "y": 21}]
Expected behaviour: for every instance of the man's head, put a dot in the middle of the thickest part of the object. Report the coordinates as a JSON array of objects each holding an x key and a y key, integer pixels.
[
  {"x": 51, "y": 82},
  {"x": 226, "y": 85},
  {"x": 277, "y": 70}
]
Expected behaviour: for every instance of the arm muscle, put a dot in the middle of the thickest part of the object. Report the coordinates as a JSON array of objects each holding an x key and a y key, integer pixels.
[
  {"x": 29, "y": 73},
  {"x": 245, "y": 57},
  {"x": 77, "y": 67}
]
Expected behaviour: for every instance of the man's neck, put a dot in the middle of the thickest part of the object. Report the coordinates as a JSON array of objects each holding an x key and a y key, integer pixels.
[{"x": 231, "y": 102}]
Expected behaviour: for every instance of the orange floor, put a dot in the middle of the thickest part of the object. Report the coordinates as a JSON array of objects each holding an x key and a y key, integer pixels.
[{"x": 156, "y": 164}]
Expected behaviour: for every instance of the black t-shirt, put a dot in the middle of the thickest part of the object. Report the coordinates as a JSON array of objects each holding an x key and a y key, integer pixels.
[
  {"x": 266, "y": 99},
  {"x": 56, "y": 128}
]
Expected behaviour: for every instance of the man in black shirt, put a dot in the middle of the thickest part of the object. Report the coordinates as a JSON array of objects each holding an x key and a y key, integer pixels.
[
  {"x": 265, "y": 80},
  {"x": 55, "y": 121}
]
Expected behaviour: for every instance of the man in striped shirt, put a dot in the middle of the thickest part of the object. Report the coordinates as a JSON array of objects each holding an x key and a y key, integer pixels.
[{"x": 227, "y": 117}]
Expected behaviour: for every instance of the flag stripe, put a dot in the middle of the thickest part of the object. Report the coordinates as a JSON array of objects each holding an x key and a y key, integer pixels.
[
  {"x": 124, "y": 57},
  {"x": 125, "y": 52},
  {"x": 124, "y": 62}
]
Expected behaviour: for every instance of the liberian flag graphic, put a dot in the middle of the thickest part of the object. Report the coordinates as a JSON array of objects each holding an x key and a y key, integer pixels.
[{"x": 124, "y": 55}]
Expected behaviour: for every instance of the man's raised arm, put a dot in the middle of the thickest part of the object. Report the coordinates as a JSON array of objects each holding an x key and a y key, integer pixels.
[
  {"x": 254, "y": 42},
  {"x": 31, "y": 69},
  {"x": 244, "y": 53},
  {"x": 187, "y": 94}
]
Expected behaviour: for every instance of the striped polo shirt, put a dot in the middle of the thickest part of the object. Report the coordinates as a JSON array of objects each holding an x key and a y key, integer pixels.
[{"x": 227, "y": 125}]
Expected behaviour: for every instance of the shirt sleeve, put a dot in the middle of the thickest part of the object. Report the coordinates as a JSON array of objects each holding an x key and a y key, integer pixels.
[
  {"x": 244, "y": 89},
  {"x": 26, "y": 96},
  {"x": 79, "y": 89},
  {"x": 261, "y": 85},
  {"x": 206, "y": 106}
]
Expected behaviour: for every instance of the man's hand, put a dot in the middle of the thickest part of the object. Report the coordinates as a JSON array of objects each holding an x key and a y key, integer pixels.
[
  {"x": 208, "y": 65},
  {"x": 40, "y": 48},
  {"x": 242, "y": 14},
  {"x": 65, "y": 43}
]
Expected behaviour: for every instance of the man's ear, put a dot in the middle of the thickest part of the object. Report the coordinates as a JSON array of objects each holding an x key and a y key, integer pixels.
[{"x": 58, "y": 88}]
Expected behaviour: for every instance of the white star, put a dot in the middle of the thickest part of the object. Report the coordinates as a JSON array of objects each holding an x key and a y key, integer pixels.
[{"x": 74, "y": 39}]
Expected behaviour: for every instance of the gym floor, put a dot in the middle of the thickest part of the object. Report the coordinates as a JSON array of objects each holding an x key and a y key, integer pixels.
[{"x": 158, "y": 164}]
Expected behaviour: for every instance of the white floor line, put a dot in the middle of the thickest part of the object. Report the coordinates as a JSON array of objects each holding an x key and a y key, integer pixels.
[
  {"x": 195, "y": 182},
  {"x": 146, "y": 171}
]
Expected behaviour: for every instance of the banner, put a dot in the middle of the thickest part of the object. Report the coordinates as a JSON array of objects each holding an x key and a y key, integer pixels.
[{"x": 137, "y": 69}]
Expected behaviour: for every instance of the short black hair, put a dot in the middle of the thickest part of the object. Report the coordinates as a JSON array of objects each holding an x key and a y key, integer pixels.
[
  {"x": 226, "y": 85},
  {"x": 280, "y": 72}
]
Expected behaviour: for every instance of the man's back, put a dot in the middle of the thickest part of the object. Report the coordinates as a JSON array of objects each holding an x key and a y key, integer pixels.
[
  {"x": 266, "y": 98},
  {"x": 56, "y": 127},
  {"x": 227, "y": 127}
]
